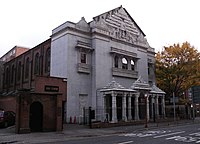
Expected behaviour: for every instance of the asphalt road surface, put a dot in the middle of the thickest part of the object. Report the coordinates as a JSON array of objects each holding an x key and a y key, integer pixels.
[{"x": 189, "y": 134}]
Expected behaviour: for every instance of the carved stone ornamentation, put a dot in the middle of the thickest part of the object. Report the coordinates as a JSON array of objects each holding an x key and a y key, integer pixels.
[
  {"x": 83, "y": 25},
  {"x": 142, "y": 41},
  {"x": 119, "y": 25}
]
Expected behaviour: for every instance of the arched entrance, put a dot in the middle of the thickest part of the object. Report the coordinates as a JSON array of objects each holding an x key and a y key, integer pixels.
[{"x": 36, "y": 117}]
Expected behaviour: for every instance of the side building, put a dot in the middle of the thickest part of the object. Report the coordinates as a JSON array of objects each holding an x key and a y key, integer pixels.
[
  {"x": 109, "y": 66},
  {"x": 30, "y": 91},
  {"x": 13, "y": 53}
]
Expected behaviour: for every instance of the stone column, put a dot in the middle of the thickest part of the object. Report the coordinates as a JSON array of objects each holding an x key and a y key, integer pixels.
[
  {"x": 120, "y": 61},
  {"x": 114, "y": 108},
  {"x": 163, "y": 106},
  {"x": 129, "y": 108},
  {"x": 136, "y": 116},
  {"x": 156, "y": 106},
  {"x": 147, "y": 105},
  {"x": 124, "y": 117},
  {"x": 129, "y": 64},
  {"x": 103, "y": 108}
]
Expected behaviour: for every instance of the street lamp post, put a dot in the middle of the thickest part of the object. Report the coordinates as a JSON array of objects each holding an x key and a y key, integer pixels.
[{"x": 146, "y": 119}]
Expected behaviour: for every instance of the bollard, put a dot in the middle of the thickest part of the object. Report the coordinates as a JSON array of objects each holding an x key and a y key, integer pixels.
[
  {"x": 70, "y": 120},
  {"x": 74, "y": 119}
]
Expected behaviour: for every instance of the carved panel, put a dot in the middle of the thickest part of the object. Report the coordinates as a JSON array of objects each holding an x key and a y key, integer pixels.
[
  {"x": 124, "y": 73},
  {"x": 84, "y": 68},
  {"x": 120, "y": 26}
]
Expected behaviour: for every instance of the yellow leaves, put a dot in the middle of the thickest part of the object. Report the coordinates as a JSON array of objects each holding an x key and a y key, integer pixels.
[{"x": 179, "y": 66}]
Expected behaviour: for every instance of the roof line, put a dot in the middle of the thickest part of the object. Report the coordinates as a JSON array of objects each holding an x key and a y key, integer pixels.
[{"x": 134, "y": 22}]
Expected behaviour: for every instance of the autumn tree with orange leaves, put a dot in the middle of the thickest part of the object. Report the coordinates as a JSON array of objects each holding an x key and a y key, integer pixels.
[{"x": 177, "y": 68}]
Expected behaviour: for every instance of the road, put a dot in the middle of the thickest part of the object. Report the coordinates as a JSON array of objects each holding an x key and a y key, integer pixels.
[{"x": 168, "y": 135}]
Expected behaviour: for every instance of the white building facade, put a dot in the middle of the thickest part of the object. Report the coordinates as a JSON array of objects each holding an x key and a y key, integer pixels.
[{"x": 109, "y": 66}]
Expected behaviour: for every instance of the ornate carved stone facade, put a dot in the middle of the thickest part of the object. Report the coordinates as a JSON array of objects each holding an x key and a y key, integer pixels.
[
  {"x": 91, "y": 54},
  {"x": 117, "y": 24}
]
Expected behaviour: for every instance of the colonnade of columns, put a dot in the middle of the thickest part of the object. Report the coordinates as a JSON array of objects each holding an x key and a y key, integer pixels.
[{"x": 152, "y": 103}]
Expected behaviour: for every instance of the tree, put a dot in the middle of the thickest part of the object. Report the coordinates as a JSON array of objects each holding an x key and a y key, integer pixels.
[{"x": 177, "y": 68}]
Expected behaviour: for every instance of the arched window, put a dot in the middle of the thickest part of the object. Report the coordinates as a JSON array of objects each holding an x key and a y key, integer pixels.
[
  {"x": 116, "y": 61},
  {"x": 27, "y": 68},
  {"x": 37, "y": 64},
  {"x": 47, "y": 60},
  {"x": 7, "y": 76},
  {"x": 19, "y": 70},
  {"x": 124, "y": 63},
  {"x": 132, "y": 65},
  {"x": 12, "y": 73}
]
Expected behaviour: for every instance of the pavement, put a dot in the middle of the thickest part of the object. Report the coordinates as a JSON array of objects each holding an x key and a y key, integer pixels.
[{"x": 76, "y": 131}]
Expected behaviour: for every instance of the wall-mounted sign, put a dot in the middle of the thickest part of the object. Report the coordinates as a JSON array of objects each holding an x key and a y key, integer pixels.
[{"x": 49, "y": 88}]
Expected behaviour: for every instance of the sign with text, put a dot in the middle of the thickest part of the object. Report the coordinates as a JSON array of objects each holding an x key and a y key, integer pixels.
[{"x": 49, "y": 88}]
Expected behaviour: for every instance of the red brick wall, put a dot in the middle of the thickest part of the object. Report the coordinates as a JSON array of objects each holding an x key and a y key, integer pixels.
[
  {"x": 8, "y": 103},
  {"x": 41, "y": 82},
  {"x": 29, "y": 81},
  {"x": 49, "y": 112},
  {"x": 20, "y": 50}
]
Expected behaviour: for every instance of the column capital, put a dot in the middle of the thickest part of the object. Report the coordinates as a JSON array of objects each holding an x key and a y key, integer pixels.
[
  {"x": 137, "y": 94},
  {"x": 150, "y": 94},
  {"x": 156, "y": 97},
  {"x": 125, "y": 94},
  {"x": 114, "y": 94}
]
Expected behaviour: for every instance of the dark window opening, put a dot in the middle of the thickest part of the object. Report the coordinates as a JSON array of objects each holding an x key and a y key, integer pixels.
[
  {"x": 12, "y": 73},
  {"x": 19, "y": 71},
  {"x": 27, "y": 68},
  {"x": 132, "y": 65},
  {"x": 83, "y": 57},
  {"x": 47, "y": 60},
  {"x": 37, "y": 64},
  {"x": 116, "y": 61}
]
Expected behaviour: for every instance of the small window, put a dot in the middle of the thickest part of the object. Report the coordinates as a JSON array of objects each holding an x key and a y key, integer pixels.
[
  {"x": 37, "y": 64},
  {"x": 149, "y": 68},
  {"x": 116, "y": 61},
  {"x": 19, "y": 71},
  {"x": 132, "y": 65},
  {"x": 83, "y": 57},
  {"x": 7, "y": 76},
  {"x": 12, "y": 73},
  {"x": 124, "y": 63},
  {"x": 47, "y": 60}
]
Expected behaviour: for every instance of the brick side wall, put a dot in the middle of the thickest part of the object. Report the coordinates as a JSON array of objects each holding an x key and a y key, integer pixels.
[
  {"x": 8, "y": 103},
  {"x": 41, "y": 82}
]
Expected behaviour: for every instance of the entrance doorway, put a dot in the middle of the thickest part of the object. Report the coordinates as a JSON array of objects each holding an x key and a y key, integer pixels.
[
  {"x": 36, "y": 117},
  {"x": 119, "y": 107}
]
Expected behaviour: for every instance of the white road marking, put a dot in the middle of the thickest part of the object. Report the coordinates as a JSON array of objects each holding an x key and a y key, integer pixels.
[
  {"x": 126, "y": 142},
  {"x": 129, "y": 134},
  {"x": 169, "y": 134}
]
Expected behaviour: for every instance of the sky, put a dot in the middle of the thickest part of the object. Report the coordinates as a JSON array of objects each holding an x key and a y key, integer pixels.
[{"x": 165, "y": 22}]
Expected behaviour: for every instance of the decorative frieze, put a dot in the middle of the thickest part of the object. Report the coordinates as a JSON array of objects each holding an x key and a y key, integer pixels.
[
  {"x": 118, "y": 24},
  {"x": 123, "y": 52}
]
